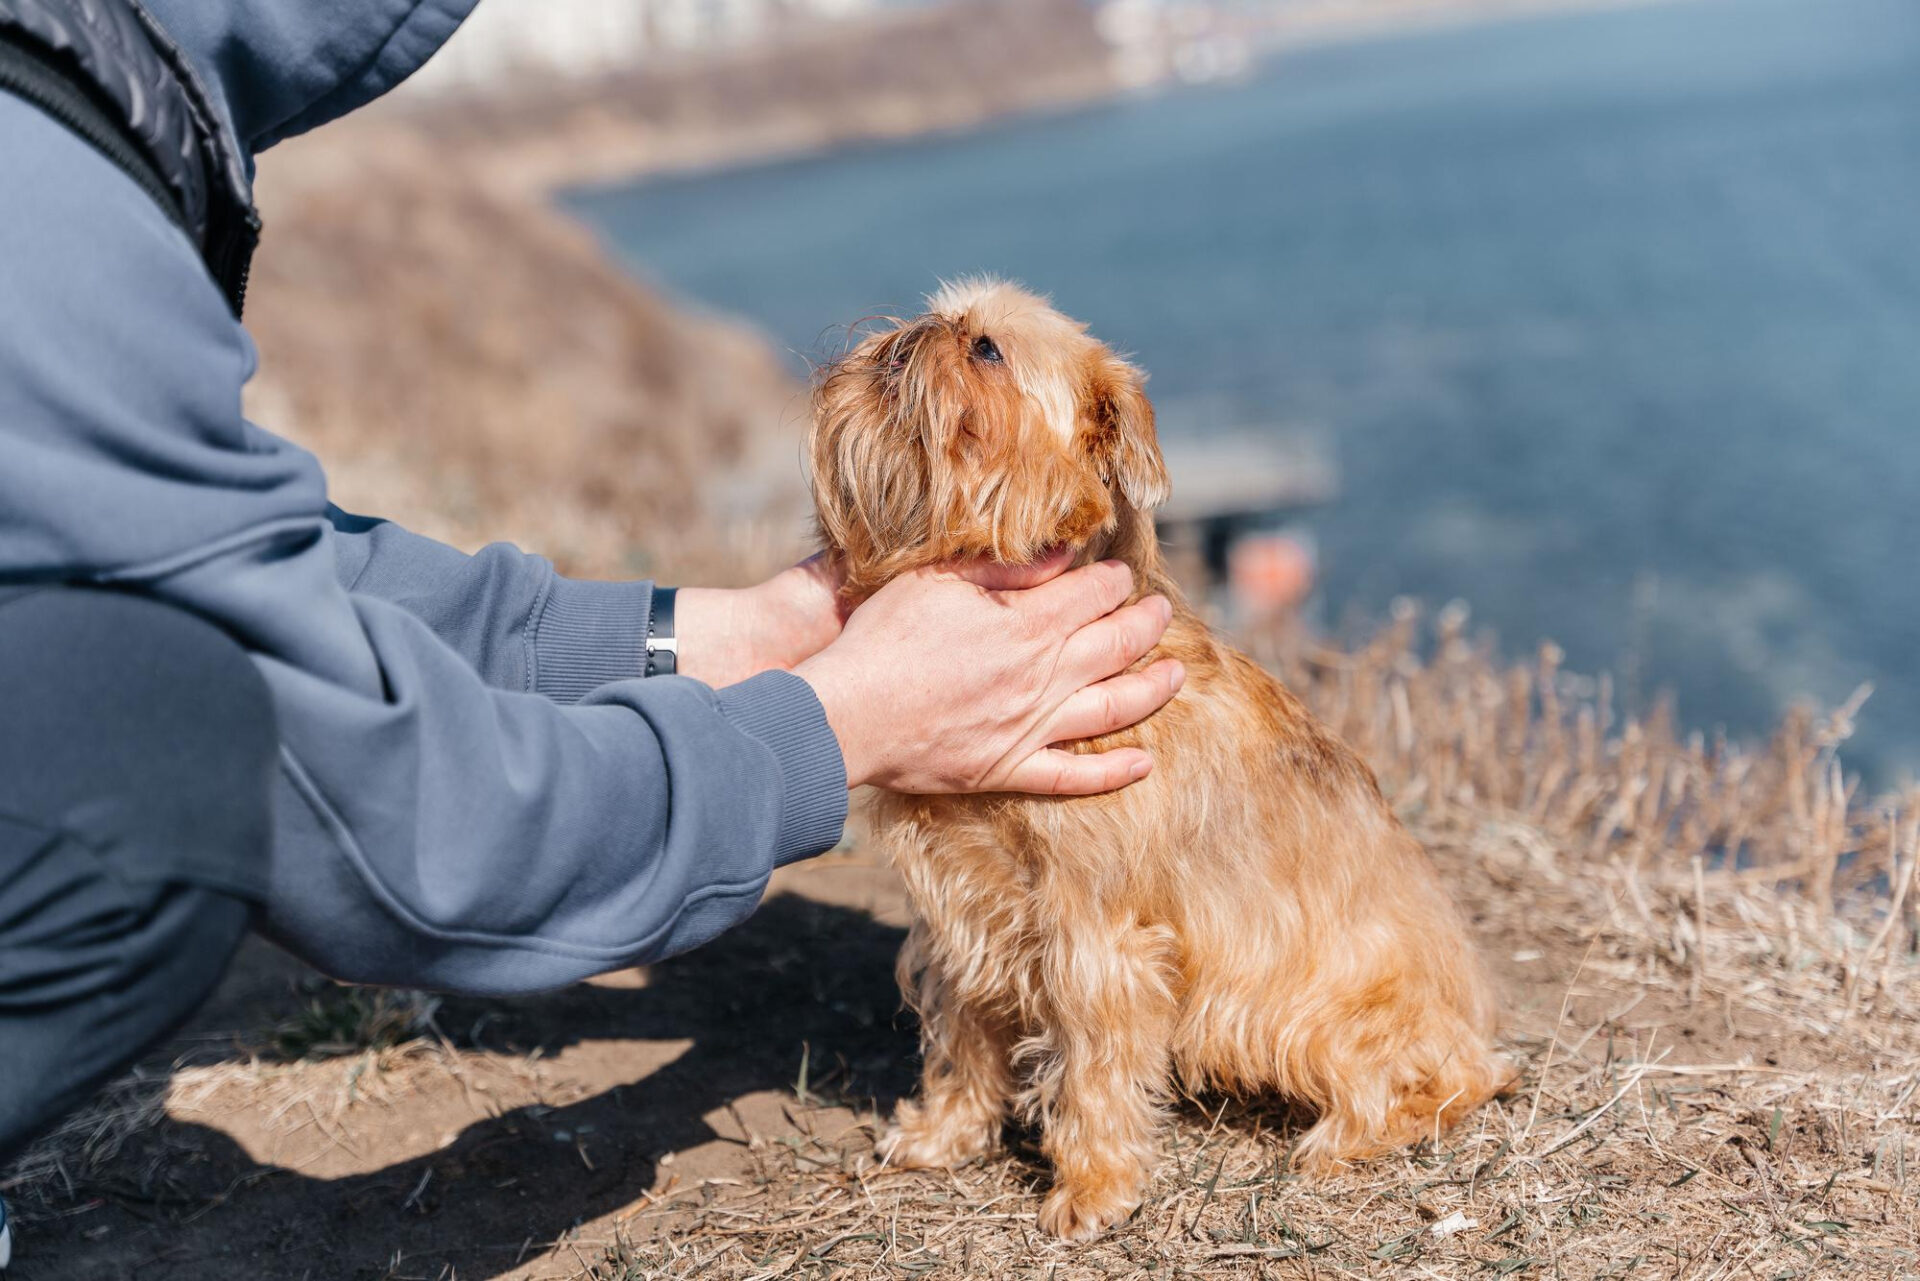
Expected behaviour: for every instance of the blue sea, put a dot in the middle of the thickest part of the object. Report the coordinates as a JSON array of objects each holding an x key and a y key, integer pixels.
[{"x": 1610, "y": 320}]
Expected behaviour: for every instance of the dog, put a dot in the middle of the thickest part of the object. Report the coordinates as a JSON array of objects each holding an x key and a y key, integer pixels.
[{"x": 1249, "y": 918}]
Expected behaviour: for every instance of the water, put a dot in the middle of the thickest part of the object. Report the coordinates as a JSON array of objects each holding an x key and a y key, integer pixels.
[{"x": 1611, "y": 320}]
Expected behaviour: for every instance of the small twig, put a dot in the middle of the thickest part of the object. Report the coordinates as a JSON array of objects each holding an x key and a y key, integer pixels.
[
  {"x": 1566, "y": 1003},
  {"x": 1699, "y": 930},
  {"x": 1594, "y": 1116},
  {"x": 426, "y": 1177}
]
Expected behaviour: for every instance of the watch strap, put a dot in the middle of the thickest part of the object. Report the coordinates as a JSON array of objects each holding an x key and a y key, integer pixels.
[{"x": 663, "y": 647}]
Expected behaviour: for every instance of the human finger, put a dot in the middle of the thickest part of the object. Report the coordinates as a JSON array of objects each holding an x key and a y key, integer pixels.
[
  {"x": 1114, "y": 643},
  {"x": 1053, "y": 772},
  {"x": 1079, "y": 596},
  {"x": 1117, "y": 702}
]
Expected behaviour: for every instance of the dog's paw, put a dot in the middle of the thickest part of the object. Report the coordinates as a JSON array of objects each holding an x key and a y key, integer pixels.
[
  {"x": 1079, "y": 1214},
  {"x": 920, "y": 1142},
  {"x": 905, "y": 1149},
  {"x": 1319, "y": 1161}
]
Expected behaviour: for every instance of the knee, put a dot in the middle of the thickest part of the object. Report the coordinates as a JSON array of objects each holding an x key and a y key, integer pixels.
[
  {"x": 138, "y": 725},
  {"x": 200, "y": 738}
]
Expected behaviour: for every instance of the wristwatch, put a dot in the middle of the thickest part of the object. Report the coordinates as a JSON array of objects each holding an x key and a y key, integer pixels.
[{"x": 663, "y": 648}]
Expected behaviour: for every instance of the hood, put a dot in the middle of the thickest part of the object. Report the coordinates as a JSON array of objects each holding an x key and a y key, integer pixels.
[{"x": 280, "y": 67}]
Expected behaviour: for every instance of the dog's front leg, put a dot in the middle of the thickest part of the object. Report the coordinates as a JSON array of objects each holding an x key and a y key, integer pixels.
[
  {"x": 1103, "y": 1078},
  {"x": 966, "y": 1077}
]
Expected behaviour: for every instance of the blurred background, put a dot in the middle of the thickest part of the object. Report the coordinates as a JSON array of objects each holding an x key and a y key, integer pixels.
[{"x": 1600, "y": 317}]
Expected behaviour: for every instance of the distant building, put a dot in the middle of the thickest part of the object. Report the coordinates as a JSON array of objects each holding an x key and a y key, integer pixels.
[
  {"x": 1194, "y": 40},
  {"x": 505, "y": 39}
]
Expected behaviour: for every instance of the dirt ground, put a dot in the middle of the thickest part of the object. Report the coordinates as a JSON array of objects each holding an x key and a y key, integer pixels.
[
  {"x": 714, "y": 1115},
  {"x": 511, "y": 1135}
]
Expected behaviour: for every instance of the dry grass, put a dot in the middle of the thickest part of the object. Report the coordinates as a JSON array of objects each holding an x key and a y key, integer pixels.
[
  {"x": 88, "y": 1141},
  {"x": 1631, "y": 1167},
  {"x": 1458, "y": 738},
  {"x": 342, "y": 1046},
  {"x": 1726, "y": 1085}
]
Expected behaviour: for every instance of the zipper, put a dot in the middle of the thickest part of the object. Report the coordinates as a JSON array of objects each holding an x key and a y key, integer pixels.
[{"x": 231, "y": 240}]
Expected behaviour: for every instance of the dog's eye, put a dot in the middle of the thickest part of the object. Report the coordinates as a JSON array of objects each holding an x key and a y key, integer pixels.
[{"x": 984, "y": 349}]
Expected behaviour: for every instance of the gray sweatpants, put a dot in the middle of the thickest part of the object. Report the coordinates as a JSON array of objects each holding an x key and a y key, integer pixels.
[{"x": 136, "y": 750}]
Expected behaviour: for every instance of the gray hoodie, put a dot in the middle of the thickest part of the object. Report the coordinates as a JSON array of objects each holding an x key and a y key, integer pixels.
[{"x": 476, "y": 791}]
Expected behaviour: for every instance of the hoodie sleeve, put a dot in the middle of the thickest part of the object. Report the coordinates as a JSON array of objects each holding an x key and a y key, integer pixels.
[
  {"x": 516, "y": 621},
  {"x": 431, "y": 828}
]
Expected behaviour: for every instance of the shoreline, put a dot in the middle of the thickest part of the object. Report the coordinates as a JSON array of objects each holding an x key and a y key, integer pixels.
[
  {"x": 383, "y": 228},
  {"x": 589, "y": 140}
]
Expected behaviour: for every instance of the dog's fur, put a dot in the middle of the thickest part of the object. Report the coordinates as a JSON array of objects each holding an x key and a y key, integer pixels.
[{"x": 1251, "y": 917}]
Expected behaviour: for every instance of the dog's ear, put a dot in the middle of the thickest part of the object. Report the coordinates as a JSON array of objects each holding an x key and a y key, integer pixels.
[
  {"x": 838, "y": 451},
  {"x": 869, "y": 494},
  {"x": 1120, "y": 433}
]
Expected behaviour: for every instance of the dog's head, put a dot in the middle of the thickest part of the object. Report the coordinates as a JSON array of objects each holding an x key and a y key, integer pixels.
[{"x": 991, "y": 426}]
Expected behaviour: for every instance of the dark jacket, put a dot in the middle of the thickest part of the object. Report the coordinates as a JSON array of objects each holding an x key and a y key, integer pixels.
[{"x": 476, "y": 792}]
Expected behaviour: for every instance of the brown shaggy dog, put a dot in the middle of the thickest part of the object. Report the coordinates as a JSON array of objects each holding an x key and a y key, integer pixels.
[{"x": 1250, "y": 917}]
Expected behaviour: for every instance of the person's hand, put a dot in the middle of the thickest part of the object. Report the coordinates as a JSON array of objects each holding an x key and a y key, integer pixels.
[
  {"x": 727, "y": 635},
  {"x": 963, "y": 679}
]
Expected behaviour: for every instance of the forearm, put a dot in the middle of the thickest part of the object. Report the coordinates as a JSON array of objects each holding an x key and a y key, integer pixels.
[
  {"x": 521, "y": 625},
  {"x": 449, "y": 836}
]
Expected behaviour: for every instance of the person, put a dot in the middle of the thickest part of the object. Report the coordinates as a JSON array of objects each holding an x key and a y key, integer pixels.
[{"x": 225, "y": 703}]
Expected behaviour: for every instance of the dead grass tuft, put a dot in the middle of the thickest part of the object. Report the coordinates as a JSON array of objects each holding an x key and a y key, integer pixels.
[
  {"x": 1459, "y": 739},
  {"x": 340, "y": 1020},
  {"x": 90, "y": 1139}
]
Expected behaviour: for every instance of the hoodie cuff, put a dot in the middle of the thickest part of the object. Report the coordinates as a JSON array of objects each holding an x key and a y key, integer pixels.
[
  {"x": 588, "y": 634},
  {"x": 781, "y": 711}
]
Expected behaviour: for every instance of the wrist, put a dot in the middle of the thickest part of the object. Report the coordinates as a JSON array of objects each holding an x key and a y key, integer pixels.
[
  {"x": 709, "y": 636},
  {"x": 840, "y": 698},
  {"x": 729, "y": 634}
]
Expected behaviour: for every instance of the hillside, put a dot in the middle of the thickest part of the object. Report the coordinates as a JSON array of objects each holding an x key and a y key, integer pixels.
[{"x": 466, "y": 359}]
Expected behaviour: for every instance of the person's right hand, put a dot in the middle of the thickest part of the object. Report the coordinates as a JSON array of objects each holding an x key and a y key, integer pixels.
[{"x": 962, "y": 679}]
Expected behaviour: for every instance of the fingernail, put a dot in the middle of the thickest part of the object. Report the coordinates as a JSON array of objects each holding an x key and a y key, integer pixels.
[
  {"x": 1164, "y": 608},
  {"x": 1177, "y": 677},
  {"x": 1139, "y": 770}
]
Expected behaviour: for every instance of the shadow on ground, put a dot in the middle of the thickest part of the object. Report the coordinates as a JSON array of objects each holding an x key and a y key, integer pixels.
[{"x": 185, "y": 1201}]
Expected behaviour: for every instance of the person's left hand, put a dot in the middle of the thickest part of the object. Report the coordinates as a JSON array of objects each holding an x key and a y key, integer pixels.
[{"x": 727, "y": 635}]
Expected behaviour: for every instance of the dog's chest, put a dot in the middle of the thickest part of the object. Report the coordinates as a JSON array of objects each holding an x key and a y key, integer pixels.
[
  {"x": 955, "y": 854},
  {"x": 968, "y": 871}
]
